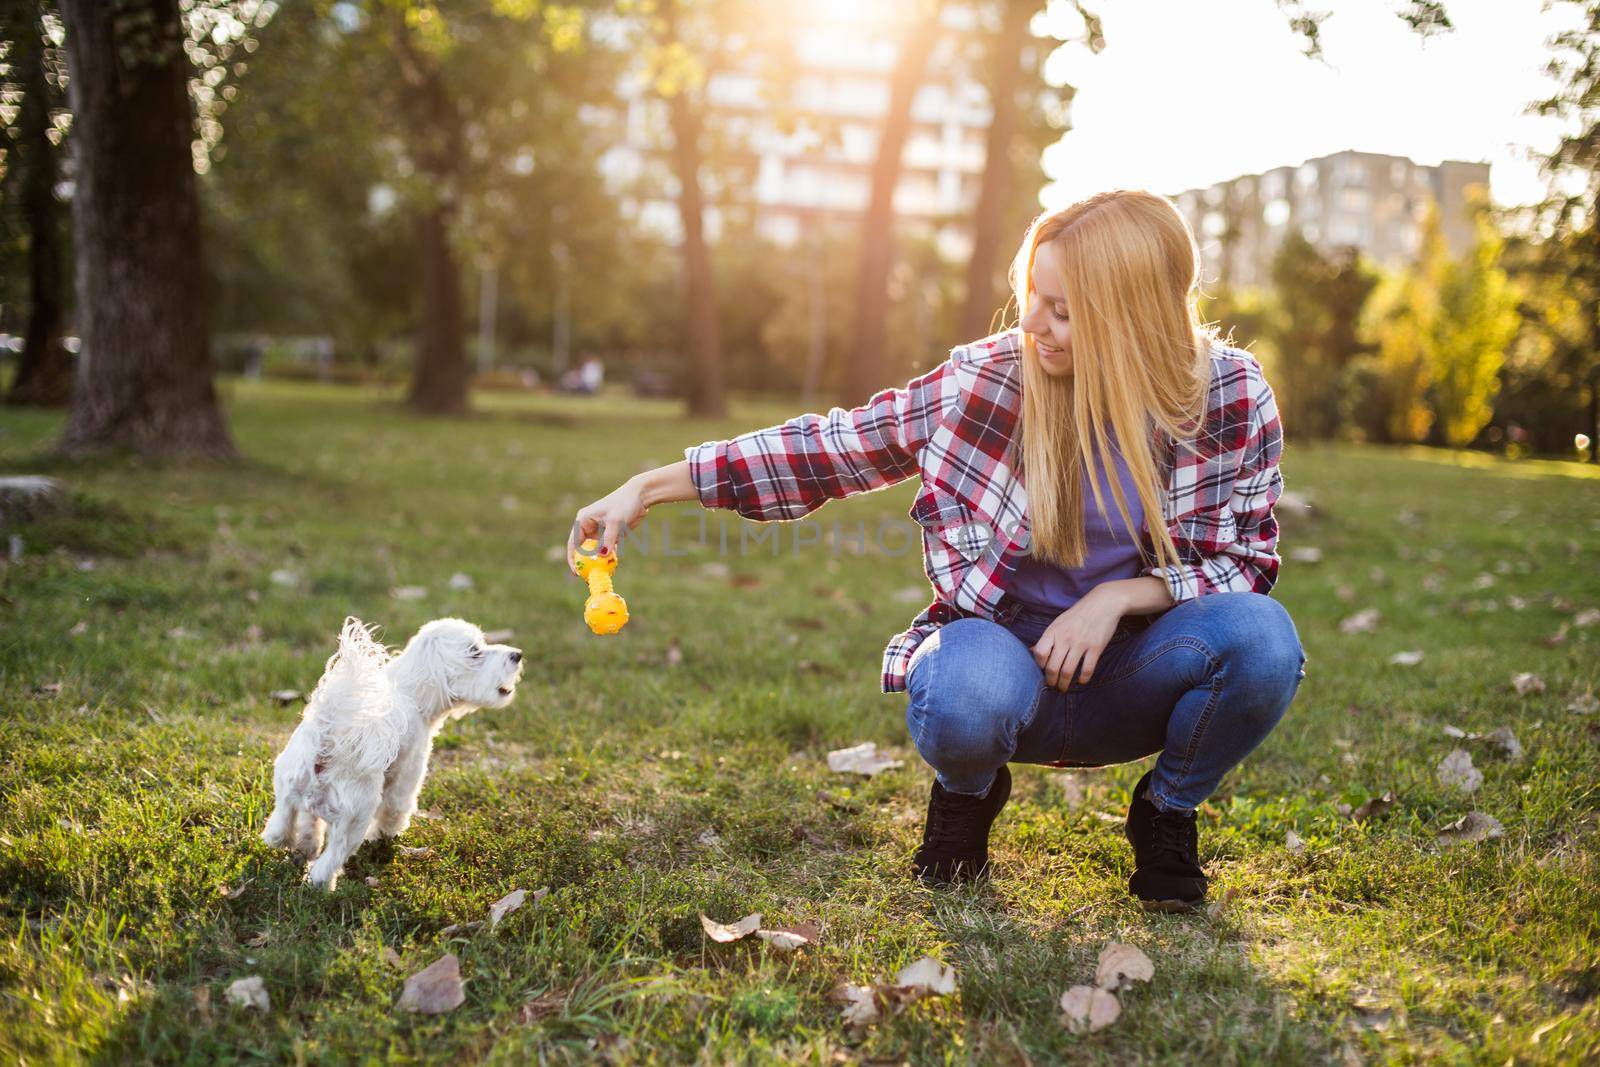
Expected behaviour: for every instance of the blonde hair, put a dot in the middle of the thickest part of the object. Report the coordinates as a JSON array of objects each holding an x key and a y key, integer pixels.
[{"x": 1140, "y": 362}]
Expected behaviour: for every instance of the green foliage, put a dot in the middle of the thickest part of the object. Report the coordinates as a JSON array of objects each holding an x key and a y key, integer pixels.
[{"x": 1478, "y": 321}]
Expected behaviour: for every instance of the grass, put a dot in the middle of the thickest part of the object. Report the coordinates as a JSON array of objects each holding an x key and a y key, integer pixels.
[{"x": 143, "y": 633}]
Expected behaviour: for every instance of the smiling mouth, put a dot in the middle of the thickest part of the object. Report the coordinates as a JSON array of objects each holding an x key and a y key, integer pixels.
[{"x": 1047, "y": 350}]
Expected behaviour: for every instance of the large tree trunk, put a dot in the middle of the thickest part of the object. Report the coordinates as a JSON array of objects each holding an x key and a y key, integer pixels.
[
  {"x": 995, "y": 192},
  {"x": 707, "y": 394},
  {"x": 44, "y": 373},
  {"x": 439, "y": 377},
  {"x": 439, "y": 381},
  {"x": 144, "y": 374},
  {"x": 865, "y": 371}
]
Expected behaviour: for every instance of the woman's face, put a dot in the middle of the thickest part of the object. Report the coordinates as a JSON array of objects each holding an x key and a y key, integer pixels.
[{"x": 1046, "y": 318}]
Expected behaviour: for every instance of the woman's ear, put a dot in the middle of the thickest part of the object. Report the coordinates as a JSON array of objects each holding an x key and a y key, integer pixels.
[{"x": 439, "y": 657}]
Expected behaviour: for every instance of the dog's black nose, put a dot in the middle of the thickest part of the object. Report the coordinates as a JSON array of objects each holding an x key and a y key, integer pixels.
[{"x": 516, "y": 655}]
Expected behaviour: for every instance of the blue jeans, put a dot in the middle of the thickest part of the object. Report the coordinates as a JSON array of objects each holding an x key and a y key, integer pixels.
[{"x": 1202, "y": 683}]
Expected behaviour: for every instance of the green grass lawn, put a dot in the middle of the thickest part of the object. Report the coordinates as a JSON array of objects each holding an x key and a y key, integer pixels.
[{"x": 679, "y": 768}]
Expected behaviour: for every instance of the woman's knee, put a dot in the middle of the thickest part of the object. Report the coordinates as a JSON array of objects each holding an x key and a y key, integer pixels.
[
  {"x": 977, "y": 684},
  {"x": 1259, "y": 642}
]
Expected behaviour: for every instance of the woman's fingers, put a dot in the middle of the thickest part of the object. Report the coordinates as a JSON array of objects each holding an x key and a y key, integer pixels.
[{"x": 1090, "y": 658}]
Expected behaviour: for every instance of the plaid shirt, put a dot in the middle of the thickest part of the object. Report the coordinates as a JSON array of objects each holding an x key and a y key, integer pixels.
[{"x": 953, "y": 427}]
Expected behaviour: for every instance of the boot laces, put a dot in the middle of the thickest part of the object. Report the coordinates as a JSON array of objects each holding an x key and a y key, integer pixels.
[
  {"x": 953, "y": 821},
  {"x": 1175, "y": 834}
]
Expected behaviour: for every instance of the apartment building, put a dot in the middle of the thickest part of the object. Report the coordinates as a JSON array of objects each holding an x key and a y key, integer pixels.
[
  {"x": 818, "y": 171},
  {"x": 1371, "y": 201}
]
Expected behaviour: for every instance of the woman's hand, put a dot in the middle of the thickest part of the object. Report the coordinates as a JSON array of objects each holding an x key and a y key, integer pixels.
[
  {"x": 1079, "y": 633},
  {"x": 624, "y": 506}
]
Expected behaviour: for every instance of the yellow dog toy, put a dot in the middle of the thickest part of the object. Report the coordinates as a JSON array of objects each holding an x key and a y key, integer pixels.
[{"x": 604, "y": 611}]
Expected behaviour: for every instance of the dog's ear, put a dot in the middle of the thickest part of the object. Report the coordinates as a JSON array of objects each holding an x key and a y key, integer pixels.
[{"x": 443, "y": 654}]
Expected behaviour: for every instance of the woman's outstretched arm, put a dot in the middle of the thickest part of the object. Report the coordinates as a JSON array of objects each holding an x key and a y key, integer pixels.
[{"x": 626, "y": 505}]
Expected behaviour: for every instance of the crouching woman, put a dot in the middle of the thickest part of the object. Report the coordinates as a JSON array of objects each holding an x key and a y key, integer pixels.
[{"x": 1096, "y": 502}]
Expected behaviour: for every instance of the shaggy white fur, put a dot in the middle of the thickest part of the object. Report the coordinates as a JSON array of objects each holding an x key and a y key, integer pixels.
[{"x": 353, "y": 767}]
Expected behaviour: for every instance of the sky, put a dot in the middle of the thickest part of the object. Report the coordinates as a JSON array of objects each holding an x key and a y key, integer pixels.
[{"x": 1186, "y": 93}]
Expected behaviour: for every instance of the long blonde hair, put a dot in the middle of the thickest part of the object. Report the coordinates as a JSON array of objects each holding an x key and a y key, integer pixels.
[{"x": 1140, "y": 362}]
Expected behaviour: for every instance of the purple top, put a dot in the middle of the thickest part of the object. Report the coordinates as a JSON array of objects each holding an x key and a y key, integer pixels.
[{"x": 1112, "y": 553}]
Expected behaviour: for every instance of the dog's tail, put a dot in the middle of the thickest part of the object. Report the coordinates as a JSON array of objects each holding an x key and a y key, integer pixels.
[{"x": 352, "y": 684}]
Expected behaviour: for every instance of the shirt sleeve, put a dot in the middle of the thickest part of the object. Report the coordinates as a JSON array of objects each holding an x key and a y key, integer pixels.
[
  {"x": 1247, "y": 562},
  {"x": 791, "y": 469}
]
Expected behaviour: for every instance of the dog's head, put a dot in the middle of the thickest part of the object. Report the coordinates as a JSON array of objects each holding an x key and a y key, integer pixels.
[{"x": 455, "y": 658}]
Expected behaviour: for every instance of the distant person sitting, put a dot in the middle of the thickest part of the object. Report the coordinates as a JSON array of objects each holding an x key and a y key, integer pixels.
[{"x": 586, "y": 377}]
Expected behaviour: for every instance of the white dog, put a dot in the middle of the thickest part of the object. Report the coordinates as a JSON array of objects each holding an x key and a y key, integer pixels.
[{"x": 353, "y": 767}]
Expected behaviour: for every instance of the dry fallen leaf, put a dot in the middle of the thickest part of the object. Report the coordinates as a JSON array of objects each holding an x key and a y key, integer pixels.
[
  {"x": 927, "y": 977},
  {"x": 1526, "y": 683},
  {"x": 789, "y": 938},
  {"x": 1473, "y": 826},
  {"x": 391, "y": 957},
  {"x": 285, "y": 697},
  {"x": 1294, "y": 843},
  {"x": 1217, "y": 907},
  {"x": 1071, "y": 790},
  {"x": 732, "y": 931},
  {"x": 408, "y": 592},
  {"x": 460, "y": 928},
  {"x": 674, "y": 654},
  {"x": 1586, "y": 618},
  {"x": 1506, "y": 740},
  {"x": 461, "y": 583},
  {"x": 861, "y": 759},
  {"x": 505, "y": 906},
  {"x": 1087, "y": 1008},
  {"x": 860, "y": 1004},
  {"x": 259, "y": 940},
  {"x": 1375, "y": 806},
  {"x": 250, "y": 993},
  {"x": 434, "y": 989},
  {"x": 1306, "y": 554},
  {"x": 1406, "y": 659},
  {"x": 372, "y": 881},
  {"x": 1456, "y": 770},
  {"x": 1121, "y": 965},
  {"x": 1585, "y": 704},
  {"x": 409, "y": 853},
  {"x": 1362, "y": 622}
]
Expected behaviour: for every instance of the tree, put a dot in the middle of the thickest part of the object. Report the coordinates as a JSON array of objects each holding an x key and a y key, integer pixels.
[
  {"x": 144, "y": 380},
  {"x": 1028, "y": 115},
  {"x": 1569, "y": 253},
  {"x": 1477, "y": 322},
  {"x": 32, "y": 169},
  {"x": 1318, "y": 300}
]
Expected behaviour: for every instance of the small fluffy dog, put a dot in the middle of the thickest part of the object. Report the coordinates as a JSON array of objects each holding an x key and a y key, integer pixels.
[{"x": 353, "y": 767}]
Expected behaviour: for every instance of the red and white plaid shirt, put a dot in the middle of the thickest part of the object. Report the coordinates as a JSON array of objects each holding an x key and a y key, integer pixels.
[{"x": 953, "y": 427}]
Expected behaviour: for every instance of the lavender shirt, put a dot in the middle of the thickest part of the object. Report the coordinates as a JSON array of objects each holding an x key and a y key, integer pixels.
[{"x": 1113, "y": 552}]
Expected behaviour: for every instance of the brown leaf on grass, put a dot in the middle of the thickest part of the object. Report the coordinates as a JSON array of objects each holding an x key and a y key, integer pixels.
[
  {"x": 543, "y": 1006},
  {"x": 1217, "y": 908},
  {"x": 1586, "y": 618},
  {"x": 80, "y": 628},
  {"x": 259, "y": 940},
  {"x": 789, "y": 938},
  {"x": 863, "y": 759},
  {"x": 460, "y": 928},
  {"x": 1294, "y": 843},
  {"x": 408, "y": 592},
  {"x": 250, "y": 993},
  {"x": 1506, "y": 741},
  {"x": 285, "y": 697},
  {"x": 1473, "y": 826},
  {"x": 1087, "y": 1008},
  {"x": 860, "y": 1004},
  {"x": 202, "y": 1001},
  {"x": 1526, "y": 684},
  {"x": 736, "y": 931},
  {"x": 391, "y": 957},
  {"x": 511, "y": 902},
  {"x": 745, "y": 581},
  {"x": 1456, "y": 770},
  {"x": 926, "y": 977},
  {"x": 1555, "y": 639},
  {"x": 372, "y": 881},
  {"x": 237, "y": 891},
  {"x": 1408, "y": 658},
  {"x": 406, "y": 852},
  {"x": 1362, "y": 622},
  {"x": 674, "y": 654},
  {"x": 429, "y": 815},
  {"x": 1373, "y": 807},
  {"x": 1584, "y": 704},
  {"x": 1071, "y": 790},
  {"x": 1121, "y": 965},
  {"x": 434, "y": 989},
  {"x": 47, "y": 689}
]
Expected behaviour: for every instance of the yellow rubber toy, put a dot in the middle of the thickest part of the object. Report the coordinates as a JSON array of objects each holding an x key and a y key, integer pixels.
[{"x": 604, "y": 611}]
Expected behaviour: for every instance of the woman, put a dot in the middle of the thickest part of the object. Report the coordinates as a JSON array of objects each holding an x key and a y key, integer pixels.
[{"x": 1056, "y": 636}]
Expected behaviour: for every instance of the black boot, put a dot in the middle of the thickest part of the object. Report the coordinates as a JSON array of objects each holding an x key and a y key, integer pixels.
[
  {"x": 1166, "y": 855},
  {"x": 955, "y": 839}
]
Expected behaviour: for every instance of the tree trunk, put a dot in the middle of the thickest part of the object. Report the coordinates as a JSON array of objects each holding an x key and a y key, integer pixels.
[
  {"x": 439, "y": 381},
  {"x": 44, "y": 373},
  {"x": 144, "y": 373},
  {"x": 994, "y": 196},
  {"x": 707, "y": 393},
  {"x": 865, "y": 372}
]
